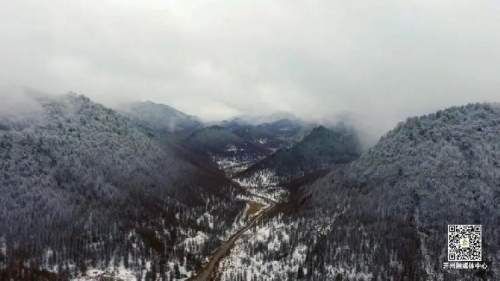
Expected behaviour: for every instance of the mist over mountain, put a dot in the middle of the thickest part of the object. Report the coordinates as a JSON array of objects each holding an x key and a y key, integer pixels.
[
  {"x": 211, "y": 60},
  {"x": 81, "y": 182},
  {"x": 385, "y": 215},
  {"x": 89, "y": 189},
  {"x": 161, "y": 118},
  {"x": 262, "y": 119},
  {"x": 428, "y": 172},
  {"x": 194, "y": 140},
  {"x": 234, "y": 144},
  {"x": 319, "y": 150}
]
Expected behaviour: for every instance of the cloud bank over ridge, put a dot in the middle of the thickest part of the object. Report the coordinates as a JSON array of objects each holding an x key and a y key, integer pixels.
[{"x": 374, "y": 61}]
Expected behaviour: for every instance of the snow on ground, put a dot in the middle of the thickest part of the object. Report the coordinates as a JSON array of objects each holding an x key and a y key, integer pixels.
[
  {"x": 264, "y": 183},
  {"x": 248, "y": 257},
  {"x": 262, "y": 140},
  {"x": 263, "y": 196},
  {"x": 206, "y": 217},
  {"x": 243, "y": 218},
  {"x": 195, "y": 243},
  {"x": 261, "y": 179},
  {"x": 183, "y": 272},
  {"x": 264, "y": 201},
  {"x": 271, "y": 193},
  {"x": 300, "y": 253},
  {"x": 120, "y": 273},
  {"x": 266, "y": 252},
  {"x": 232, "y": 148},
  {"x": 350, "y": 273},
  {"x": 123, "y": 274},
  {"x": 232, "y": 165}
]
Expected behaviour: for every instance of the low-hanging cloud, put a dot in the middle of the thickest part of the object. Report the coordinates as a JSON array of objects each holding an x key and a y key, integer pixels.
[{"x": 379, "y": 61}]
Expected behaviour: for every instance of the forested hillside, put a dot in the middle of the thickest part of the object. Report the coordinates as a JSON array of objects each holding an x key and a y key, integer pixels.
[
  {"x": 83, "y": 187},
  {"x": 430, "y": 171},
  {"x": 86, "y": 189},
  {"x": 236, "y": 144},
  {"x": 319, "y": 150},
  {"x": 385, "y": 215}
]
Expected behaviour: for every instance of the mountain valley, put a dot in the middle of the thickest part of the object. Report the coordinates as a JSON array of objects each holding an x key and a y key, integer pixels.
[{"x": 151, "y": 193}]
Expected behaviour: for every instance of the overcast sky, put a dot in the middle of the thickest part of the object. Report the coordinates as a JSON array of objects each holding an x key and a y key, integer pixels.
[{"x": 380, "y": 60}]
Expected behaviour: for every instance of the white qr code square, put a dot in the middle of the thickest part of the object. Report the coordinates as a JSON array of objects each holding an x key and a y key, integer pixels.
[{"x": 464, "y": 242}]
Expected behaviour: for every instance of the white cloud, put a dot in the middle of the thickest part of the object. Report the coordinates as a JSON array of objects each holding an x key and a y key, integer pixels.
[{"x": 383, "y": 60}]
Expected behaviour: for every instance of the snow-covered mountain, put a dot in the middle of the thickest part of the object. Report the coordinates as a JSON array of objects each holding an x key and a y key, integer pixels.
[
  {"x": 319, "y": 150},
  {"x": 235, "y": 145},
  {"x": 92, "y": 194},
  {"x": 430, "y": 171},
  {"x": 83, "y": 186},
  {"x": 384, "y": 216}
]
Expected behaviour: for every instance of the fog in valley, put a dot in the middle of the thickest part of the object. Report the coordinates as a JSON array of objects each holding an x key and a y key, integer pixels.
[{"x": 203, "y": 140}]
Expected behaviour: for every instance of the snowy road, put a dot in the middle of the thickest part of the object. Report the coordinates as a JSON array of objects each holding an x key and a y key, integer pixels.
[{"x": 209, "y": 270}]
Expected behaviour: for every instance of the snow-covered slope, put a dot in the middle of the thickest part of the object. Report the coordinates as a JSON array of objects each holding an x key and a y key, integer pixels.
[
  {"x": 236, "y": 144},
  {"x": 385, "y": 215},
  {"x": 82, "y": 185},
  {"x": 319, "y": 150},
  {"x": 430, "y": 171},
  {"x": 225, "y": 147}
]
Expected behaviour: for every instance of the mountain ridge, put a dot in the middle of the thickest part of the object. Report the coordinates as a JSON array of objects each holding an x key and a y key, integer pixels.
[
  {"x": 78, "y": 174},
  {"x": 318, "y": 150},
  {"x": 428, "y": 172},
  {"x": 161, "y": 118}
]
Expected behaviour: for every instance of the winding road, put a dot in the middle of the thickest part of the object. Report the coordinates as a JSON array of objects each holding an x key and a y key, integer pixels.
[{"x": 209, "y": 270}]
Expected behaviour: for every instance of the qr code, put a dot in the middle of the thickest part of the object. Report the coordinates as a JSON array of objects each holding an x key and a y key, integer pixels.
[{"x": 464, "y": 242}]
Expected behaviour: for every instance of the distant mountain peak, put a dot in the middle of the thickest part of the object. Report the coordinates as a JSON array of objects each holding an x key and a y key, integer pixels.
[
  {"x": 319, "y": 129},
  {"x": 161, "y": 117},
  {"x": 262, "y": 119},
  {"x": 318, "y": 150}
]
